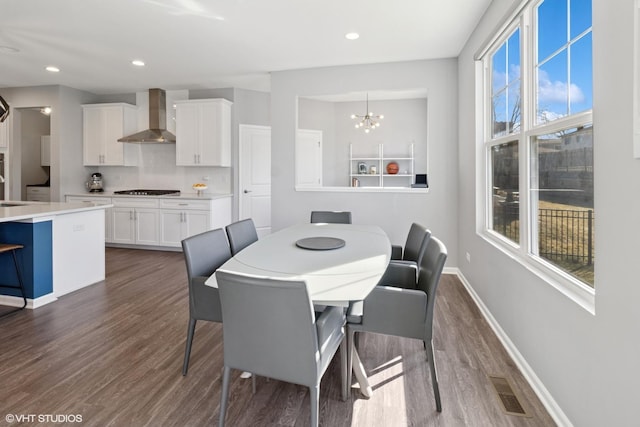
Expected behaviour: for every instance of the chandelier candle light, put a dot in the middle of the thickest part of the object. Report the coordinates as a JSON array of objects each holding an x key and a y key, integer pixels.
[{"x": 368, "y": 121}]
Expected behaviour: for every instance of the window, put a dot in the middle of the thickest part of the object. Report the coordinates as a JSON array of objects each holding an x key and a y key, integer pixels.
[{"x": 539, "y": 140}]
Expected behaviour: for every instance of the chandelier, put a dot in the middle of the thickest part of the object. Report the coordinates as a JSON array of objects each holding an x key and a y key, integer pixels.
[{"x": 368, "y": 121}]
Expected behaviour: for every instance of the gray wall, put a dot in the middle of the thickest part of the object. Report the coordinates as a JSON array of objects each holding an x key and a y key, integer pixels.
[
  {"x": 404, "y": 123},
  {"x": 67, "y": 173},
  {"x": 393, "y": 211},
  {"x": 588, "y": 363}
]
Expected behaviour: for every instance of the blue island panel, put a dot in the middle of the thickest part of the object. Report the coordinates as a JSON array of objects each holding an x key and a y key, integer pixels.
[{"x": 35, "y": 259}]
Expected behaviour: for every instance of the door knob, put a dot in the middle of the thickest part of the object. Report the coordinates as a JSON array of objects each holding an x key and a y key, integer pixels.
[{"x": 247, "y": 191}]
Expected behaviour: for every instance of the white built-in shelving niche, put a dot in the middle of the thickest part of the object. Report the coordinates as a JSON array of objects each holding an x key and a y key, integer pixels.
[{"x": 368, "y": 166}]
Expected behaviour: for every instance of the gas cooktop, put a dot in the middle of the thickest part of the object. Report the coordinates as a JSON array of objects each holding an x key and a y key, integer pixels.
[{"x": 142, "y": 192}]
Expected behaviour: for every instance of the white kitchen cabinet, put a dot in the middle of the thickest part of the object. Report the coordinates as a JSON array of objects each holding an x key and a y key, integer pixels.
[
  {"x": 103, "y": 124},
  {"x": 181, "y": 218},
  {"x": 203, "y": 132},
  {"x": 45, "y": 150},
  {"x": 176, "y": 225},
  {"x": 158, "y": 222},
  {"x": 38, "y": 194},
  {"x": 108, "y": 213},
  {"x": 135, "y": 221}
]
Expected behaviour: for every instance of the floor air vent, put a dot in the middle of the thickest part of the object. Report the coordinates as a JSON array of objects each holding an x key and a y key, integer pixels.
[{"x": 510, "y": 403}]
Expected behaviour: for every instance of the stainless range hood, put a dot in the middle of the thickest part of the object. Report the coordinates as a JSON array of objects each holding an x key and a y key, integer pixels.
[{"x": 157, "y": 132}]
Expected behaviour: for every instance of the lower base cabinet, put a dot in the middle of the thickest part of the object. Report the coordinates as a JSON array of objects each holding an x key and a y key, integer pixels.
[
  {"x": 161, "y": 222},
  {"x": 135, "y": 225},
  {"x": 177, "y": 225}
]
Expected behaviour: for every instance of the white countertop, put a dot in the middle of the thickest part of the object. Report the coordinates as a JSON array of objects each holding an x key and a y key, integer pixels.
[
  {"x": 182, "y": 195},
  {"x": 31, "y": 210}
]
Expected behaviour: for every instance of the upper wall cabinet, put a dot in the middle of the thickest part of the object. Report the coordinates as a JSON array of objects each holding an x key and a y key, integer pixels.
[
  {"x": 203, "y": 132},
  {"x": 103, "y": 124}
]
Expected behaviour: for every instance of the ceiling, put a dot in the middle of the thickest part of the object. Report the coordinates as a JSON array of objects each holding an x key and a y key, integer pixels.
[{"x": 196, "y": 44}]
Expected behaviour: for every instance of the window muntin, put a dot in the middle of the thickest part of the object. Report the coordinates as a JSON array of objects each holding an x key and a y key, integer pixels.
[{"x": 553, "y": 145}]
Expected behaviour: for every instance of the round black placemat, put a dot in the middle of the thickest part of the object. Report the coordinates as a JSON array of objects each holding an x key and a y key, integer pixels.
[{"x": 320, "y": 243}]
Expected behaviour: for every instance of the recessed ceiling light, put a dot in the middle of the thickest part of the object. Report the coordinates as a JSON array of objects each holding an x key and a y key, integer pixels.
[
  {"x": 52, "y": 69},
  {"x": 138, "y": 63},
  {"x": 8, "y": 49},
  {"x": 352, "y": 36}
]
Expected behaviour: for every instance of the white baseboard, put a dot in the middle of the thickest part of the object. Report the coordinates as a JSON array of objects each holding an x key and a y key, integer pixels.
[
  {"x": 12, "y": 301},
  {"x": 536, "y": 384}
]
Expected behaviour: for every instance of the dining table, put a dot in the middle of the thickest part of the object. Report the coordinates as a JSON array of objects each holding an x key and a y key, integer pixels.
[{"x": 340, "y": 263}]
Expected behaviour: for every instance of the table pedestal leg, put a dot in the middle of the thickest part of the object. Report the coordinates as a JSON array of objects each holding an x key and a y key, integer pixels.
[{"x": 361, "y": 376}]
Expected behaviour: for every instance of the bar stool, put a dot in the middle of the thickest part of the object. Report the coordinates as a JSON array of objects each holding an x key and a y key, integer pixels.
[{"x": 10, "y": 247}]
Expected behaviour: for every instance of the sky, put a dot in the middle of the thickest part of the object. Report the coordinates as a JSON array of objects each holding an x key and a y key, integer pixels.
[{"x": 563, "y": 56}]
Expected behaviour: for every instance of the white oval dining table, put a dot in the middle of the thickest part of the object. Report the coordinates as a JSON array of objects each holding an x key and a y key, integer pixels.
[{"x": 334, "y": 276}]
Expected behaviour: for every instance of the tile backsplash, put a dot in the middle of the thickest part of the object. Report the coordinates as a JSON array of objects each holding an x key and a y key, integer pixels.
[{"x": 157, "y": 170}]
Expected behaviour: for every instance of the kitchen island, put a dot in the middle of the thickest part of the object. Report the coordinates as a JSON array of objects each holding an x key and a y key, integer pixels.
[{"x": 63, "y": 248}]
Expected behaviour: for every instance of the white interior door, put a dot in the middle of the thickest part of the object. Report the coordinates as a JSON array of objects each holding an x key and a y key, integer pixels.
[
  {"x": 309, "y": 158},
  {"x": 255, "y": 176}
]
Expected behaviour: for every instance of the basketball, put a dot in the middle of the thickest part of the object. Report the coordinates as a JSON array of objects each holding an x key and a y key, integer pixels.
[{"x": 392, "y": 168}]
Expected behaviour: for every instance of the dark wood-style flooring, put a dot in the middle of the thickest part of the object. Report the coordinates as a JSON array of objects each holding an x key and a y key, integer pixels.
[{"x": 112, "y": 353}]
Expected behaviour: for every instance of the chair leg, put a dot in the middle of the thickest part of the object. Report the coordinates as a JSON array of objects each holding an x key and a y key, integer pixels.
[
  {"x": 344, "y": 356},
  {"x": 434, "y": 375},
  {"x": 187, "y": 351},
  {"x": 24, "y": 295},
  {"x": 350, "y": 344},
  {"x": 224, "y": 396},
  {"x": 314, "y": 393}
]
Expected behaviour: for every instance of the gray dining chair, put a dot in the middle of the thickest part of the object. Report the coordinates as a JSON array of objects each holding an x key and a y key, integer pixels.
[
  {"x": 331, "y": 217},
  {"x": 203, "y": 253},
  {"x": 395, "y": 309},
  {"x": 241, "y": 234},
  {"x": 270, "y": 329},
  {"x": 404, "y": 261}
]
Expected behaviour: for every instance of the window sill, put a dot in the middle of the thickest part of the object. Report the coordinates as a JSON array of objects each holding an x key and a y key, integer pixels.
[
  {"x": 570, "y": 287},
  {"x": 364, "y": 189}
]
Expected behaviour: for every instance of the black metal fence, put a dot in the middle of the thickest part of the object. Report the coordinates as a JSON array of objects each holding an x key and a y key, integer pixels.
[{"x": 563, "y": 235}]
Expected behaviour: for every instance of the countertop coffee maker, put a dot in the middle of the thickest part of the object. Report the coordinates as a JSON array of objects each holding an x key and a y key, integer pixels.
[{"x": 94, "y": 185}]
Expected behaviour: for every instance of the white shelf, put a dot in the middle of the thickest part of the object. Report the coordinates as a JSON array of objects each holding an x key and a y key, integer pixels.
[{"x": 380, "y": 161}]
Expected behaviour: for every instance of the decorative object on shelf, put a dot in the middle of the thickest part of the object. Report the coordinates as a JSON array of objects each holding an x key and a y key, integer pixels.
[
  {"x": 199, "y": 187},
  {"x": 421, "y": 181},
  {"x": 362, "y": 167},
  {"x": 369, "y": 120},
  {"x": 373, "y": 170},
  {"x": 355, "y": 182},
  {"x": 392, "y": 168}
]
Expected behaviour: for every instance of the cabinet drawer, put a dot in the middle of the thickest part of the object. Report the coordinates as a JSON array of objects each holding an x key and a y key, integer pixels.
[
  {"x": 89, "y": 199},
  {"x": 132, "y": 202},
  {"x": 185, "y": 204},
  {"x": 38, "y": 194}
]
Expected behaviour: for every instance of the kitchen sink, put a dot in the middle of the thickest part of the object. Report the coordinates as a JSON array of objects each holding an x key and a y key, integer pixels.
[{"x": 10, "y": 204}]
